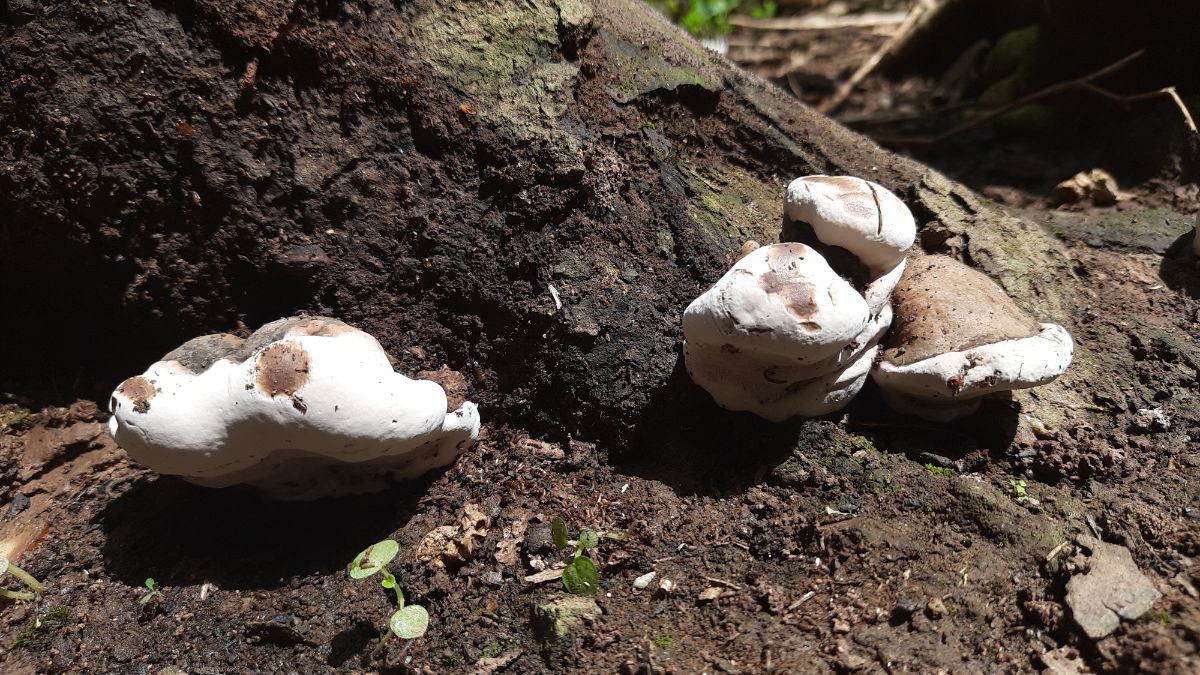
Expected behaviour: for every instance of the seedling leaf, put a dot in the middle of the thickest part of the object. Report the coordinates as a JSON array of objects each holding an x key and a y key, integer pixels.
[
  {"x": 589, "y": 539},
  {"x": 558, "y": 532},
  {"x": 150, "y": 583},
  {"x": 388, "y": 583},
  {"x": 410, "y": 622},
  {"x": 580, "y": 577},
  {"x": 373, "y": 559}
]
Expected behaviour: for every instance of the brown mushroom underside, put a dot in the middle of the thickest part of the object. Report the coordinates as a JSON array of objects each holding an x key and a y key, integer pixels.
[{"x": 942, "y": 305}]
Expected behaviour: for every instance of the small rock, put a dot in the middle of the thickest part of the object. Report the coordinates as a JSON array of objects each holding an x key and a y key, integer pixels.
[
  {"x": 711, "y": 593},
  {"x": 643, "y": 581},
  {"x": 1113, "y": 589},
  {"x": 19, "y": 504},
  {"x": 904, "y": 609},
  {"x": 554, "y": 619},
  {"x": 841, "y": 626},
  {"x": 935, "y": 608},
  {"x": 666, "y": 586},
  {"x": 1151, "y": 420},
  {"x": 936, "y": 460}
]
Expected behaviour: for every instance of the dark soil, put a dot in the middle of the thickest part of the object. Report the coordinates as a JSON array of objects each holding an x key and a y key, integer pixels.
[{"x": 174, "y": 168}]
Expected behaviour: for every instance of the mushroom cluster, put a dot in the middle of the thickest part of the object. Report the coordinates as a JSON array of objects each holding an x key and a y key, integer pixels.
[
  {"x": 794, "y": 329},
  {"x": 305, "y": 407}
]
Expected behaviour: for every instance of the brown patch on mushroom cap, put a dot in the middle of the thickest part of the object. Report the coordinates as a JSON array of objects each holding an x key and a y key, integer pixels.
[
  {"x": 139, "y": 391},
  {"x": 198, "y": 354},
  {"x": 282, "y": 369},
  {"x": 453, "y": 383},
  {"x": 782, "y": 281},
  {"x": 942, "y": 305}
]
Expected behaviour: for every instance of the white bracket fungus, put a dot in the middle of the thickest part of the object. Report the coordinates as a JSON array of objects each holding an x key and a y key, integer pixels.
[
  {"x": 783, "y": 333},
  {"x": 305, "y": 407},
  {"x": 793, "y": 328},
  {"x": 777, "y": 334},
  {"x": 959, "y": 337}
]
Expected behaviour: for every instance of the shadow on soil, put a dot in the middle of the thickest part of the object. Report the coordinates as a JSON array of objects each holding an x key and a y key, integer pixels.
[
  {"x": 696, "y": 447},
  {"x": 1180, "y": 268},
  {"x": 182, "y": 534}
]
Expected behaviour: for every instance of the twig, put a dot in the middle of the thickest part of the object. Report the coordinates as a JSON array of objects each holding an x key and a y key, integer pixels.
[
  {"x": 722, "y": 582},
  {"x": 910, "y": 23},
  {"x": 821, "y": 21},
  {"x": 1084, "y": 83}
]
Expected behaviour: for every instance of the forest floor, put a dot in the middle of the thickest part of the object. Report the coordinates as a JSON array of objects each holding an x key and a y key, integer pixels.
[{"x": 873, "y": 543}]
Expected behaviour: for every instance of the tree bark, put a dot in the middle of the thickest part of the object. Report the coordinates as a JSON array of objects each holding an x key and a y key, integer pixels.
[{"x": 442, "y": 174}]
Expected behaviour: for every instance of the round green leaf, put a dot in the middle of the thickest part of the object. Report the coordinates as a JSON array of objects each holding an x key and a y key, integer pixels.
[
  {"x": 389, "y": 582},
  {"x": 588, "y": 538},
  {"x": 373, "y": 559},
  {"x": 580, "y": 577},
  {"x": 410, "y": 622},
  {"x": 558, "y": 532}
]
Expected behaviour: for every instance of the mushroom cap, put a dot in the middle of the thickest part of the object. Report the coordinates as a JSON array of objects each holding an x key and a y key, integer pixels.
[
  {"x": 942, "y": 305},
  {"x": 312, "y": 394},
  {"x": 781, "y": 301},
  {"x": 862, "y": 217},
  {"x": 957, "y": 336}
]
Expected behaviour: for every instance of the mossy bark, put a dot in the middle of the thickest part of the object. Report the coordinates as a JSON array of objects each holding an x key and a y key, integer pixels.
[{"x": 442, "y": 174}]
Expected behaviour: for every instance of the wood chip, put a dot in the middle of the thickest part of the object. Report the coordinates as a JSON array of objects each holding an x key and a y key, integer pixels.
[{"x": 549, "y": 574}]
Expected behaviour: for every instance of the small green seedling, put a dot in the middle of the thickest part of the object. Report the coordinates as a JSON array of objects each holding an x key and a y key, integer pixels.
[
  {"x": 1018, "y": 488},
  {"x": 152, "y": 589},
  {"x": 580, "y": 576},
  {"x": 22, "y": 576},
  {"x": 409, "y": 621}
]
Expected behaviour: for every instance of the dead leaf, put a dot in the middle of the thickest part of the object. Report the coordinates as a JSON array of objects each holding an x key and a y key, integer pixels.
[
  {"x": 540, "y": 448},
  {"x": 507, "y": 551},
  {"x": 453, "y": 545},
  {"x": 711, "y": 593},
  {"x": 1097, "y": 186}
]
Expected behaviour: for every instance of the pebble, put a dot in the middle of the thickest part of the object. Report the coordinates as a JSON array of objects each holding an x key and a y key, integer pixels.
[
  {"x": 935, "y": 608},
  {"x": 643, "y": 581},
  {"x": 905, "y": 608}
]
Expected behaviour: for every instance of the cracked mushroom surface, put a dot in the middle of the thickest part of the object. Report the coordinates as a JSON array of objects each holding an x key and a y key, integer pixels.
[
  {"x": 779, "y": 335},
  {"x": 862, "y": 217},
  {"x": 958, "y": 337},
  {"x": 304, "y": 407}
]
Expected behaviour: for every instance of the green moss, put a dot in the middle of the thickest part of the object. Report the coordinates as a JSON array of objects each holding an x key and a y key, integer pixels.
[
  {"x": 37, "y": 634},
  {"x": 636, "y": 72},
  {"x": 731, "y": 206},
  {"x": 938, "y": 470},
  {"x": 12, "y": 416},
  {"x": 501, "y": 56}
]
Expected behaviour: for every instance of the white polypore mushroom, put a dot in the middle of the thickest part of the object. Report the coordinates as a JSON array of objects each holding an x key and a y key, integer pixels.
[
  {"x": 958, "y": 337},
  {"x": 779, "y": 335},
  {"x": 303, "y": 408},
  {"x": 862, "y": 217}
]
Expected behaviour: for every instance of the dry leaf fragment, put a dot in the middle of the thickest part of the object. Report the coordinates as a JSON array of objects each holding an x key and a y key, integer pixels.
[
  {"x": 507, "y": 552},
  {"x": 453, "y": 545},
  {"x": 1097, "y": 186}
]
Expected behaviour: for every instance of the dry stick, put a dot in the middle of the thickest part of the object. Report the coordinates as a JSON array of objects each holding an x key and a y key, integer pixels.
[
  {"x": 1125, "y": 99},
  {"x": 821, "y": 21},
  {"x": 1084, "y": 83},
  {"x": 910, "y": 23}
]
